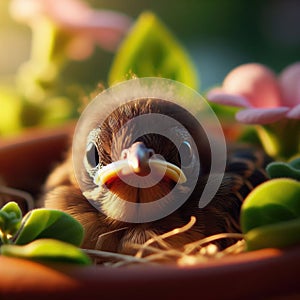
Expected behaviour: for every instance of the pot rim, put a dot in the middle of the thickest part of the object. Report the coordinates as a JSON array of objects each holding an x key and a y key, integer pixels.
[{"x": 267, "y": 273}]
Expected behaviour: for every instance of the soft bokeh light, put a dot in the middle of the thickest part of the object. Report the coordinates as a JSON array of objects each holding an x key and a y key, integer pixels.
[{"x": 218, "y": 35}]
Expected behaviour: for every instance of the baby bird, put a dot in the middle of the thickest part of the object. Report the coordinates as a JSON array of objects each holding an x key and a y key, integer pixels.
[{"x": 117, "y": 163}]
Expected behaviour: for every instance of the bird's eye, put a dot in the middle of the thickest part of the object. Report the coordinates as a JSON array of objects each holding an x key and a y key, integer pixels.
[
  {"x": 186, "y": 153},
  {"x": 92, "y": 155}
]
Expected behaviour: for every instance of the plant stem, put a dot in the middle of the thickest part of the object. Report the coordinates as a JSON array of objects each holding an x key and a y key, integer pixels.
[
  {"x": 3, "y": 238},
  {"x": 281, "y": 139}
]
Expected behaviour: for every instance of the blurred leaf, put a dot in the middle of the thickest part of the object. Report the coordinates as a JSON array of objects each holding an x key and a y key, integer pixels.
[
  {"x": 46, "y": 223},
  {"x": 10, "y": 108},
  {"x": 295, "y": 163},
  {"x": 10, "y": 218},
  {"x": 31, "y": 113},
  {"x": 249, "y": 135},
  {"x": 282, "y": 169},
  {"x": 224, "y": 112},
  {"x": 47, "y": 249},
  {"x": 151, "y": 50},
  {"x": 57, "y": 110}
]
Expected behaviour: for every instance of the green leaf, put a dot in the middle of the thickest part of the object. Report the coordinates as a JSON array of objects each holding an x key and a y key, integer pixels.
[
  {"x": 295, "y": 163},
  {"x": 10, "y": 218},
  {"x": 13, "y": 208},
  {"x": 57, "y": 109},
  {"x": 48, "y": 223},
  {"x": 279, "y": 235},
  {"x": 10, "y": 110},
  {"x": 150, "y": 50},
  {"x": 270, "y": 215},
  {"x": 282, "y": 169},
  {"x": 274, "y": 201},
  {"x": 49, "y": 250}
]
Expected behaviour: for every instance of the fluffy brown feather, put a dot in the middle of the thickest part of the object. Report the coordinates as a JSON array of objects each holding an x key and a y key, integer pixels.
[{"x": 243, "y": 172}]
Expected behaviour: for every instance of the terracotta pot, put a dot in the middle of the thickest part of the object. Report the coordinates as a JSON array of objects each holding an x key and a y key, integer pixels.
[{"x": 265, "y": 274}]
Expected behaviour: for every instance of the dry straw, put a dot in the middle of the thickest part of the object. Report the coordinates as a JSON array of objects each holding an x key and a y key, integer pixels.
[{"x": 192, "y": 253}]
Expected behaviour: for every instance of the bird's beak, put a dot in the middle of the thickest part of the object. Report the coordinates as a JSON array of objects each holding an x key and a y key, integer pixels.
[{"x": 139, "y": 160}]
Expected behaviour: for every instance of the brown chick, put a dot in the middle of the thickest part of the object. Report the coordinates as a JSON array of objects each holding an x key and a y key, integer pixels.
[{"x": 105, "y": 153}]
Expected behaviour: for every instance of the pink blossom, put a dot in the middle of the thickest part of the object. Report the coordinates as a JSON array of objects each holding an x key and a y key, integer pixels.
[
  {"x": 265, "y": 97},
  {"x": 88, "y": 26}
]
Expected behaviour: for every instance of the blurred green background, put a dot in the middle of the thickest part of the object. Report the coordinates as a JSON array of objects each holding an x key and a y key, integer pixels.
[{"x": 218, "y": 34}]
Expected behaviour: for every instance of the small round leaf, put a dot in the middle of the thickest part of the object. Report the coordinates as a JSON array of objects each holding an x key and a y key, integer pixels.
[
  {"x": 49, "y": 223},
  {"x": 270, "y": 215},
  {"x": 47, "y": 250}
]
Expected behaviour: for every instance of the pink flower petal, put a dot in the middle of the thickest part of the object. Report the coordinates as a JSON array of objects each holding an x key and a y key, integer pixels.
[
  {"x": 104, "y": 27},
  {"x": 256, "y": 83},
  {"x": 289, "y": 81},
  {"x": 294, "y": 113},
  {"x": 261, "y": 115},
  {"x": 28, "y": 10},
  {"x": 217, "y": 96}
]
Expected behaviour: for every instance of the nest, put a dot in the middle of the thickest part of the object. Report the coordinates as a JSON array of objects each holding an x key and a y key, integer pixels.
[{"x": 192, "y": 254}]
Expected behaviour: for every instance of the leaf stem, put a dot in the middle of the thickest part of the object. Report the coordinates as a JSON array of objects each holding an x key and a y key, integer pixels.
[
  {"x": 4, "y": 238},
  {"x": 280, "y": 139}
]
